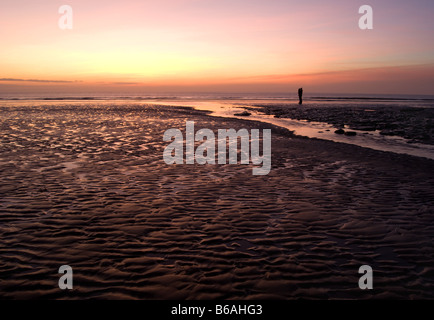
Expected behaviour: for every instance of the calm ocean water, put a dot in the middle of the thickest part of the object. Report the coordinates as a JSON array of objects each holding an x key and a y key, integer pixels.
[{"x": 411, "y": 100}]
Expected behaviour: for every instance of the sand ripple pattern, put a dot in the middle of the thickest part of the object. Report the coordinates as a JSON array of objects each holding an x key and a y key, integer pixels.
[{"x": 87, "y": 186}]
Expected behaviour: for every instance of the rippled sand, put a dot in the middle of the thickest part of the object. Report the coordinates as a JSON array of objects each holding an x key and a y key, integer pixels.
[{"x": 87, "y": 186}]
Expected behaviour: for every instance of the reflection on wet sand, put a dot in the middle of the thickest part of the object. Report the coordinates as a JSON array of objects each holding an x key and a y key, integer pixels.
[{"x": 86, "y": 185}]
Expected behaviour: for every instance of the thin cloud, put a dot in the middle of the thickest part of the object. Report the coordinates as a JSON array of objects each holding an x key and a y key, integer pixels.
[
  {"x": 37, "y": 80},
  {"x": 275, "y": 77},
  {"x": 125, "y": 83}
]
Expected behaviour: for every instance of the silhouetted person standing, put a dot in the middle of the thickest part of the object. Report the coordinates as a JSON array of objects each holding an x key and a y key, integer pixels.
[{"x": 300, "y": 96}]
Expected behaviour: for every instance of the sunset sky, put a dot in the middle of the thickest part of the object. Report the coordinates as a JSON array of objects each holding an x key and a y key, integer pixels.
[{"x": 217, "y": 45}]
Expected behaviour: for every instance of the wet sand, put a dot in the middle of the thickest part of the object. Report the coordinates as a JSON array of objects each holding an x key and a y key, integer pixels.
[
  {"x": 87, "y": 186},
  {"x": 413, "y": 123}
]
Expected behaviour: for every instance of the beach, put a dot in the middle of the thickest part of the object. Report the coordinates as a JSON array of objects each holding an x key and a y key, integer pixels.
[
  {"x": 85, "y": 185},
  {"x": 416, "y": 124}
]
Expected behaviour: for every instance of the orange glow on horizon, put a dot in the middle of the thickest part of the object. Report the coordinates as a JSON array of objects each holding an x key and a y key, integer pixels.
[{"x": 190, "y": 43}]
